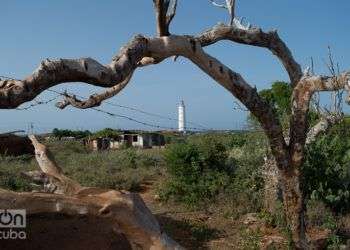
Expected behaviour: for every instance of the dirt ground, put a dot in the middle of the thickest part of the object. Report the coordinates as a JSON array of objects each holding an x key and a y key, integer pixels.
[{"x": 193, "y": 229}]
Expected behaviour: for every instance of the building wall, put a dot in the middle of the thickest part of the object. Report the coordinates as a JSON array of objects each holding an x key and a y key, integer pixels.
[
  {"x": 133, "y": 140},
  {"x": 114, "y": 144},
  {"x": 15, "y": 145},
  {"x": 140, "y": 142}
]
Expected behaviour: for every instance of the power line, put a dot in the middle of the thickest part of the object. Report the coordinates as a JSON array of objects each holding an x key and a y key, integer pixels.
[
  {"x": 144, "y": 112},
  {"x": 115, "y": 105},
  {"x": 151, "y": 114},
  {"x": 37, "y": 103},
  {"x": 130, "y": 118}
]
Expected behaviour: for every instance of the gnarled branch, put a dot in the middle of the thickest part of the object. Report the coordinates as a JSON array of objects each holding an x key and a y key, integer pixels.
[
  {"x": 323, "y": 126},
  {"x": 54, "y": 173},
  {"x": 255, "y": 37},
  {"x": 301, "y": 97},
  {"x": 51, "y": 73},
  {"x": 93, "y": 100},
  {"x": 165, "y": 12}
]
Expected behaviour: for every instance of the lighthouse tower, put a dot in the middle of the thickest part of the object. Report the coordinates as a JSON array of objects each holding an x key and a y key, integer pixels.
[{"x": 182, "y": 117}]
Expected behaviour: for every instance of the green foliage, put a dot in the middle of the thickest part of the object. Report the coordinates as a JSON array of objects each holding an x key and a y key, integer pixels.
[
  {"x": 327, "y": 171},
  {"x": 237, "y": 140},
  {"x": 105, "y": 133},
  {"x": 222, "y": 167},
  {"x": 279, "y": 96},
  {"x": 59, "y": 133},
  {"x": 277, "y": 219},
  {"x": 250, "y": 239},
  {"x": 249, "y": 158},
  {"x": 123, "y": 169},
  {"x": 319, "y": 215},
  {"x": 198, "y": 170}
]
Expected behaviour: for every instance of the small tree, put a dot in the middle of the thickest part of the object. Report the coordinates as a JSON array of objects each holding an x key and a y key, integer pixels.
[{"x": 142, "y": 51}]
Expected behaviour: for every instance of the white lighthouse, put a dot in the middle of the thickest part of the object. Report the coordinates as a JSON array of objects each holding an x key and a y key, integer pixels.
[{"x": 182, "y": 117}]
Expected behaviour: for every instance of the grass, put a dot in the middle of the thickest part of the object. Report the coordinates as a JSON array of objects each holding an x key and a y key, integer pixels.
[{"x": 124, "y": 169}]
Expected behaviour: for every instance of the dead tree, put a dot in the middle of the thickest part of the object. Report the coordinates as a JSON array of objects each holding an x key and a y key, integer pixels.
[{"x": 142, "y": 51}]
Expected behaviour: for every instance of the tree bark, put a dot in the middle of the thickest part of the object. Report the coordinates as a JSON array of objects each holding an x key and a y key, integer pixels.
[{"x": 294, "y": 207}]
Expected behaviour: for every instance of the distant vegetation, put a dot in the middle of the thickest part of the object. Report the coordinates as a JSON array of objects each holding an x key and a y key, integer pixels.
[
  {"x": 59, "y": 133},
  {"x": 78, "y": 134},
  {"x": 107, "y": 132}
]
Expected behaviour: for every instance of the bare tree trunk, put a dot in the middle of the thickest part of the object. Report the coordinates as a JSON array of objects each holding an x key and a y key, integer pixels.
[
  {"x": 272, "y": 185},
  {"x": 294, "y": 207}
]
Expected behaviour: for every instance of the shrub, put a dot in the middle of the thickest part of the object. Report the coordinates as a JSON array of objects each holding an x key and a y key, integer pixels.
[
  {"x": 198, "y": 170},
  {"x": 238, "y": 140},
  {"x": 59, "y": 133},
  {"x": 246, "y": 187},
  {"x": 327, "y": 171}
]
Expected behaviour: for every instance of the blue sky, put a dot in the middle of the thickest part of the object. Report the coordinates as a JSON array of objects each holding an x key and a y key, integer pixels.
[{"x": 34, "y": 30}]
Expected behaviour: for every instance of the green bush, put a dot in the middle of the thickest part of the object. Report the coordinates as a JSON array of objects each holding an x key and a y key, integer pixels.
[
  {"x": 59, "y": 133},
  {"x": 198, "y": 170},
  {"x": 237, "y": 140},
  {"x": 105, "y": 133},
  {"x": 327, "y": 171},
  {"x": 246, "y": 188}
]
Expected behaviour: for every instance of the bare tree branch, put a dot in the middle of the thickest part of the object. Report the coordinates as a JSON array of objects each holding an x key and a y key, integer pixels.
[
  {"x": 323, "y": 126},
  {"x": 49, "y": 167},
  {"x": 301, "y": 97},
  {"x": 255, "y": 37},
  {"x": 171, "y": 12},
  {"x": 93, "y": 100},
  {"x": 230, "y": 6},
  {"x": 133, "y": 55},
  {"x": 224, "y": 6},
  {"x": 165, "y": 12},
  {"x": 51, "y": 73}
]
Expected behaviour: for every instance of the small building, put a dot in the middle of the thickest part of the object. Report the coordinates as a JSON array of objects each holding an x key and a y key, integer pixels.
[{"x": 127, "y": 139}]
